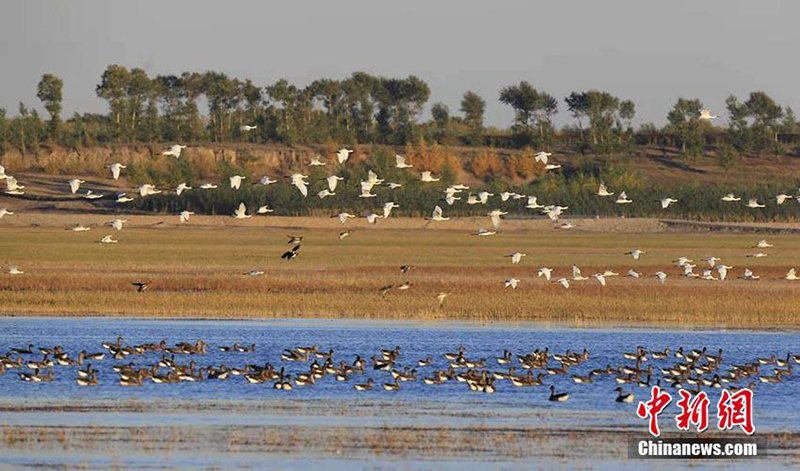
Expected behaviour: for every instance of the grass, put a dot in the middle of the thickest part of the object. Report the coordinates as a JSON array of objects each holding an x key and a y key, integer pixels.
[{"x": 197, "y": 271}]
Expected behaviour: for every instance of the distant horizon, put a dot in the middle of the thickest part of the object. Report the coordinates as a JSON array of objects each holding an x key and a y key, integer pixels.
[{"x": 650, "y": 54}]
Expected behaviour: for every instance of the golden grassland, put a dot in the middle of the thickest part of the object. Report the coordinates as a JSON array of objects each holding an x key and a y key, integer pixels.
[{"x": 198, "y": 271}]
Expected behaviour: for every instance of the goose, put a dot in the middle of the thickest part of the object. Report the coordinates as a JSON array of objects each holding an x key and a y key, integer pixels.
[
  {"x": 372, "y": 177},
  {"x": 483, "y": 232},
  {"x": 404, "y": 286},
  {"x": 636, "y": 253},
  {"x": 247, "y": 127},
  {"x": 174, "y": 151},
  {"x": 13, "y": 187},
  {"x": 427, "y": 178},
  {"x": 92, "y": 196},
  {"x": 533, "y": 203},
  {"x": 505, "y": 195},
  {"x": 14, "y": 270},
  {"x": 141, "y": 286},
  {"x": 729, "y": 198},
  {"x": 441, "y": 297},
  {"x": 748, "y": 275},
  {"x": 665, "y": 202},
  {"x": 473, "y": 199},
  {"x": 706, "y": 115},
  {"x": 208, "y": 186},
  {"x": 108, "y": 240},
  {"x": 791, "y": 275},
  {"x": 516, "y": 257},
  {"x": 564, "y": 282},
  {"x": 343, "y": 154},
  {"x": 343, "y": 217},
  {"x": 681, "y": 261},
  {"x": 3, "y": 172},
  {"x": 147, "y": 189},
  {"x": 633, "y": 273},
  {"x": 183, "y": 187},
  {"x": 544, "y": 272},
  {"x": 483, "y": 196},
  {"x": 333, "y": 181},
  {"x": 576, "y": 274},
  {"x": 552, "y": 166},
  {"x": 756, "y": 255},
  {"x": 662, "y": 277},
  {"x": 343, "y": 234},
  {"x": 388, "y": 207},
  {"x": 372, "y": 218},
  {"x": 266, "y": 181},
  {"x": 75, "y": 185},
  {"x": 393, "y": 186},
  {"x": 116, "y": 169},
  {"x": 254, "y": 273},
  {"x": 364, "y": 386},
  {"x": 603, "y": 190},
  {"x": 325, "y": 193},
  {"x": 291, "y": 254},
  {"x": 688, "y": 270},
  {"x": 542, "y": 156},
  {"x": 5, "y": 212},
  {"x": 117, "y": 223},
  {"x": 366, "y": 190},
  {"x": 763, "y": 244},
  {"x": 623, "y": 397},
  {"x": 712, "y": 261},
  {"x": 241, "y": 212},
  {"x": 600, "y": 278},
  {"x": 294, "y": 239},
  {"x": 781, "y": 198},
  {"x": 707, "y": 275},
  {"x": 722, "y": 270},
  {"x": 298, "y": 180},
  {"x": 512, "y": 282},
  {"x": 583, "y": 379},
  {"x": 753, "y": 203},
  {"x": 23, "y": 351},
  {"x": 315, "y": 162},
  {"x": 557, "y": 397},
  {"x": 623, "y": 199},
  {"x": 236, "y": 181},
  {"x": 437, "y": 214},
  {"x": 609, "y": 272},
  {"x": 121, "y": 198},
  {"x": 184, "y": 215},
  {"x": 450, "y": 199},
  {"x": 90, "y": 380},
  {"x": 264, "y": 210},
  {"x": 400, "y": 162},
  {"x": 495, "y": 217},
  {"x": 391, "y": 386}
]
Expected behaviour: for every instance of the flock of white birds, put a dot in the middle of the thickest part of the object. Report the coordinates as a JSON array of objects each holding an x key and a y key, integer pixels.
[{"x": 715, "y": 271}]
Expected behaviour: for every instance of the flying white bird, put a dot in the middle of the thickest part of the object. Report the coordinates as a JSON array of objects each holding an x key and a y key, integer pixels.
[
  {"x": 116, "y": 169},
  {"x": 438, "y": 215},
  {"x": 763, "y": 244},
  {"x": 393, "y": 186},
  {"x": 343, "y": 217},
  {"x": 265, "y": 180},
  {"x": 181, "y": 188},
  {"x": 532, "y": 203},
  {"x": 552, "y": 166},
  {"x": 577, "y": 275},
  {"x": 603, "y": 191},
  {"x": 756, "y": 255},
  {"x": 609, "y": 273},
  {"x": 121, "y": 198},
  {"x": 512, "y": 282},
  {"x": 542, "y": 156},
  {"x": 343, "y": 154},
  {"x": 780, "y": 199},
  {"x": 366, "y": 188},
  {"x": 495, "y": 217},
  {"x": 791, "y": 275},
  {"x": 633, "y": 273},
  {"x": 753, "y": 203},
  {"x": 706, "y": 115},
  {"x": 147, "y": 189},
  {"x": 174, "y": 151},
  {"x": 333, "y": 181},
  {"x": 748, "y": 275},
  {"x": 92, "y": 196},
  {"x": 372, "y": 218},
  {"x": 400, "y": 162},
  {"x": 681, "y": 261},
  {"x": 426, "y": 177},
  {"x": 723, "y": 271},
  {"x": 516, "y": 257},
  {"x": 3, "y": 172},
  {"x": 707, "y": 275},
  {"x": 484, "y": 196},
  {"x": 4, "y": 212},
  {"x": 241, "y": 212},
  {"x": 315, "y": 162},
  {"x": 504, "y": 196},
  {"x": 15, "y": 271},
  {"x": 712, "y": 261},
  {"x": 636, "y": 254},
  {"x": 298, "y": 180},
  {"x": 247, "y": 127},
  {"x": 472, "y": 199},
  {"x": 600, "y": 278},
  {"x": 108, "y": 240},
  {"x": 236, "y": 181},
  {"x": 545, "y": 272},
  {"x": 326, "y": 192},
  {"x": 372, "y": 177},
  {"x": 623, "y": 199},
  {"x": 662, "y": 277},
  {"x": 483, "y": 232},
  {"x": 388, "y": 207},
  {"x": 563, "y": 282},
  {"x": 185, "y": 216},
  {"x": 450, "y": 199},
  {"x": 264, "y": 210},
  {"x": 80, "y": 228},
  {"x": 729, "y": 198},
  {"x": 75, "y": 185},
  {"x": 117, "y": 223},
  {"x": 665, "y": 202}
]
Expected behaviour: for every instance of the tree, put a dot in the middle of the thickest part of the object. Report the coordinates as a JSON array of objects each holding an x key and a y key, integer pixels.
[
  {"x": 440, "y": 114},
  {"x": 684, "y": 122},
  {"x": 49, "y": 92},
  {"x": 112, "y": 88},
  {"x": 755, "y": 123},
  {"x": 473, "y": 107},
  {"x": 531, "y": 108},
  {"x": 601, "y": 109}
]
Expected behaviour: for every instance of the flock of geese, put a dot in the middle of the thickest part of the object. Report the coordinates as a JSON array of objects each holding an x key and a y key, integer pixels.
[
  {"x": 716, "y": 271},
  {"x": 160, "y": 363}
]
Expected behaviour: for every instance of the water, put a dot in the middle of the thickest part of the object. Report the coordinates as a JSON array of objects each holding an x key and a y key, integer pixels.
[{"x": 451, "y": 404}]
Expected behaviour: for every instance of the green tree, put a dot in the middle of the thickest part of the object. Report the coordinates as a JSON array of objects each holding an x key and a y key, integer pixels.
[
  {"x": 49, "y": 93},
  {"x": 473, "y": 107},
  {"x": 112, "y": 88},
  {"x": 684, "y": 121},
  {"x": 533, "y": 110}
]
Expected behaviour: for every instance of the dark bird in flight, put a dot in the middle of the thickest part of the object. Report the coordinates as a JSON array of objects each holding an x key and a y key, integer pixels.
[
  {"x": 293, "y": 239},
  {"x": 141, "y": 285},
  {"x": 290, "y": 254}
]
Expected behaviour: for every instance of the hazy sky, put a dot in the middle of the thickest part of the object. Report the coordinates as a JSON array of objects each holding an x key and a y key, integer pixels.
[{"x": 649, "y": 51}]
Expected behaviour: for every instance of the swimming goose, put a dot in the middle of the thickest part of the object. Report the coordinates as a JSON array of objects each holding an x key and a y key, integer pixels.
[
  {"x": 623, "y": 397},
  {"x": 391, "y": 386},
  {"x": 364, "y": 386},
  {"x": 559, "y": 397},
  {"x": 89, "y": 380}
]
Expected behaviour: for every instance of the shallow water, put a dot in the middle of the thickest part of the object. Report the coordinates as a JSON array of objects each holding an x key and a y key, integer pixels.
[{"x": 331, "y": 402}]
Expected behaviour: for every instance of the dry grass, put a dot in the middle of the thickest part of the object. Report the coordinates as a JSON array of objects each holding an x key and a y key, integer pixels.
[{"x": 198, "y": 271}]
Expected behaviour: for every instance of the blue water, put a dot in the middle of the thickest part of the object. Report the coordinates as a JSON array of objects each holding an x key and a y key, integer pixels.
[{"x": 417, "y": 341}]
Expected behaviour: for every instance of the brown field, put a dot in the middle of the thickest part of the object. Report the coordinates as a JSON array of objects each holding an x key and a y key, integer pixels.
[{"x": 197, "y": 271}]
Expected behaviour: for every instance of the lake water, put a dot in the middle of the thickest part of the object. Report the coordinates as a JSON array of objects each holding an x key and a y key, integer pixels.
[{"x": 416, "y": 404}]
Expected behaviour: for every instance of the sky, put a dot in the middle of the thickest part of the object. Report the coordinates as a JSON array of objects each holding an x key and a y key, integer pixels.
[{"x": 651, "y": 52}]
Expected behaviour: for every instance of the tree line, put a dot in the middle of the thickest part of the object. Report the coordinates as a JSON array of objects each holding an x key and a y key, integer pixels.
[{"x": 365, "y": 108}]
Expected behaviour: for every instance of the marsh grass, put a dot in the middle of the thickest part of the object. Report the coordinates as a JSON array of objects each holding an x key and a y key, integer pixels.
[{"x": 197, "y": 271}]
